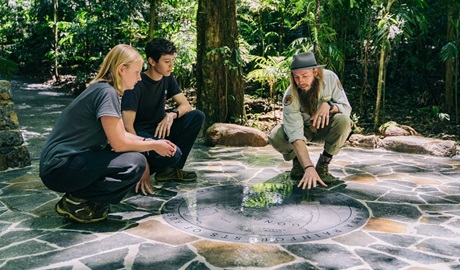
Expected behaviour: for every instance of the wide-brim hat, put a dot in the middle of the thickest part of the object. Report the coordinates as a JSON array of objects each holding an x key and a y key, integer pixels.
[{"x": 304, "y": 61}]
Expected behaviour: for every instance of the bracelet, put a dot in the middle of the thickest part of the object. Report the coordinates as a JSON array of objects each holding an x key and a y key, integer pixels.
[
  {"x": 309, "y": 166},
  {"x": 331, "y": 104}
]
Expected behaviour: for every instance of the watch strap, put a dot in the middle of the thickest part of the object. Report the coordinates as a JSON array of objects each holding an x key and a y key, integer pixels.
[
  {"x": 331, "y": 104},
  {"x": 177, "y": 113}
]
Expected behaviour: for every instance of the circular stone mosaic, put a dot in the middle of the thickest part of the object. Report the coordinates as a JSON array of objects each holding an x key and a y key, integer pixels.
[{"x": 264, "y": 213}]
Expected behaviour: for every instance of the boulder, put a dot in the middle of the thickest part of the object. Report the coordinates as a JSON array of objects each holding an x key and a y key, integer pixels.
[
  {"x": 234, "y": 135},
  {"x": 15, "y": 156},
  {"x": 419, "y": 145},
  {"x": 392, "y": 128},
  {"x": 363, "y": 141},
  {"x": 10, "y": 138}
]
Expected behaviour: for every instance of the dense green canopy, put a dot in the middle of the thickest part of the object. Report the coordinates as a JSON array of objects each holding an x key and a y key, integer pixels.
[{"x": 390, "y": 55}]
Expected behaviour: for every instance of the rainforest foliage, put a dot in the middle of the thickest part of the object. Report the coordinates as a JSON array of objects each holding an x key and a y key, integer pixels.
[{"x": 397, "y": 60}]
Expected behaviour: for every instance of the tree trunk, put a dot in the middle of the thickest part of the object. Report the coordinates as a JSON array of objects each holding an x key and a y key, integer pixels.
[
  {"x": 281, "y": 30},
  {"x": 380, "y": 85},
  {"x": 56, "y": 38},
  {"x": 261, "y": 33},
  {"x": 220, "y": 92},
  {"x": 382, "y": 72},
  {"x": 449, "y": 88},
  {"x": 317, "y": 22},
  {"x": 456, "y": 63},
  {"x": 152, "y": 19}
]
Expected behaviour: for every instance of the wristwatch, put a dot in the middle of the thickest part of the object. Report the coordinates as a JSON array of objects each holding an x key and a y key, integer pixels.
[
  {"x": 177, "y": 112},
  {"x": 331, "y": 104}
]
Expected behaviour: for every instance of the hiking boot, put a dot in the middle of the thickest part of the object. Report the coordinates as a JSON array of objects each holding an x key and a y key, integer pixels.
[
  {"x": 322, "y": 168},
  {"x": 175, "y": 175},
  {"x": 82, "y": 210},
  {"x": 297, "y": 171}
]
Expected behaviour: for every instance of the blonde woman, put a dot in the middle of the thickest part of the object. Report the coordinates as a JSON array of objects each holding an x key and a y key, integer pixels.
[{"x": 88, "y": 155}]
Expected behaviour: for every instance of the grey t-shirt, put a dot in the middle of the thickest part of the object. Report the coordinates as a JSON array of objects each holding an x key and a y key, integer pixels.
[{"x": 79, "y": 129}]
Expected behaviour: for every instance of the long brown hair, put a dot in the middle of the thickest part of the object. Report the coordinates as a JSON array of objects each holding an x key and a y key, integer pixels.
[
  {"x": 121, "y": 54},
  {"x": 308, "y": 100}
]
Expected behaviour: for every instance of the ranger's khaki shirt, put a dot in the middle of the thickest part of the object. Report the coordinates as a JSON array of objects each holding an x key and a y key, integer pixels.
[{"x": 295, "y": 120}]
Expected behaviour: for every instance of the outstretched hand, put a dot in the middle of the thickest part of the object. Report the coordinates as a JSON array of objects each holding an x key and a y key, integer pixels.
[
  {"x": 310, "y": 179},
  {"x": 144, "y": 186}
]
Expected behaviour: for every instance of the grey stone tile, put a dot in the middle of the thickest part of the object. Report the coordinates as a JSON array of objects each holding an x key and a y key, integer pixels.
[
  {"x": 326, "y": 255},
  {"x": 46, "y": 223},
  {"x": 363, "y": 191},
  {"x": 196, "y": 265},
  {"x": 23, "y": 249},
  {"x": 13, "y": 236},
  {"x": 401, "y": 212},
  {"x": 357, "y": 238},
  {"x": 158, "y": 256},
  {"x": 298, "y": 266},
  {"x": 399, "y": 197},
  {"x": 108, "y": 260},
  {"x": 438, "y": 200},
  {"x": 44, "y": 260},
  {"x": 25, "y": 201},
  {"x": 449, "y": 246},
  {"x": 398, "y": 240},
  {"x": 64, "y": 239},
  {"x": 413, "y": 255},
  {"x": 378, "y": 260},
  {"x": 437, "y": 230},
  {"x": 110, "y": 225},
  {"x": 435, "y": 219}
]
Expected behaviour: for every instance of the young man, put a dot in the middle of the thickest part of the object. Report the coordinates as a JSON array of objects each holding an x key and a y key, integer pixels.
[
  {"x": 315, "y": 108},
  {"x": 144, "y": 114}
]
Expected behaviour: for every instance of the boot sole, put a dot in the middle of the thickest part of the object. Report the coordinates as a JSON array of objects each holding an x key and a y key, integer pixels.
[{"x": 70, "y": 216}]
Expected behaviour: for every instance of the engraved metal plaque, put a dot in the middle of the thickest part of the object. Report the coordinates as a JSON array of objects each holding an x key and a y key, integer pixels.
[{"x": 264, "y": 213}]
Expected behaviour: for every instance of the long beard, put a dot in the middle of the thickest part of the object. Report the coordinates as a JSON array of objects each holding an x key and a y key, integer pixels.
[{"x": 309, "y": 99}]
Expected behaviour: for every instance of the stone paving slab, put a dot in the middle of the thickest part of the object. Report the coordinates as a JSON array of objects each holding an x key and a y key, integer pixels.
[{"x": 413, "y": 203}]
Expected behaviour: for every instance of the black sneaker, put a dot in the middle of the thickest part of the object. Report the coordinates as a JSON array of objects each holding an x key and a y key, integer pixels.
[
  {"x": 175, "y": 175},
  {"x": 82, "y": 210}
]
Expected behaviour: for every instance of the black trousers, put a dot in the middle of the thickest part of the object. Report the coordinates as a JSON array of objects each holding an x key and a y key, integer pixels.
[
  {"x": 183, "y": 134},
  {"x": 98, "y": 176}
]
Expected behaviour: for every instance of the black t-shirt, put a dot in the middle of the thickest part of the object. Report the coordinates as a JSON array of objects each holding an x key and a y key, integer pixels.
[{"x": 147, "y": 99}]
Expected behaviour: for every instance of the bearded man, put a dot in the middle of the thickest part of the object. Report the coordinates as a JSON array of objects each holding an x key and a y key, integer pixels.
[{"x": 315, "y": 109}]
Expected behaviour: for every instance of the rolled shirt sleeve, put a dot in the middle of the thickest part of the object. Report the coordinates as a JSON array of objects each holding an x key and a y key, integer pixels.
[{"x": 333, "y": 91}]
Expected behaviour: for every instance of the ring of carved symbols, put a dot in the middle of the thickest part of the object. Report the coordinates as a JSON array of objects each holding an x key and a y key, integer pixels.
[{"x": 265, "y": 213}]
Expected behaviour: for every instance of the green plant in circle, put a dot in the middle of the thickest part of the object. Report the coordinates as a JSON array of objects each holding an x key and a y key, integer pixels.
[{"x": 265, "y": 195}]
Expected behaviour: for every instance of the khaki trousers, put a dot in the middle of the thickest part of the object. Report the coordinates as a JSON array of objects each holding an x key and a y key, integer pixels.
[{"x": 333, "y": 136}]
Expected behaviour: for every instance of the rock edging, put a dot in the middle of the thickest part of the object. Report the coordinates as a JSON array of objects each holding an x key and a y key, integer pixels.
[
  {"x": 412, "y": 144},
  {"x": 237, "y": 135},
  {"x": 12, "y": 152}
]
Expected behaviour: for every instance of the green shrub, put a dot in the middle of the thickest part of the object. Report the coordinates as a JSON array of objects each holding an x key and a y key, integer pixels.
[{"x": 7, "y": 68}]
